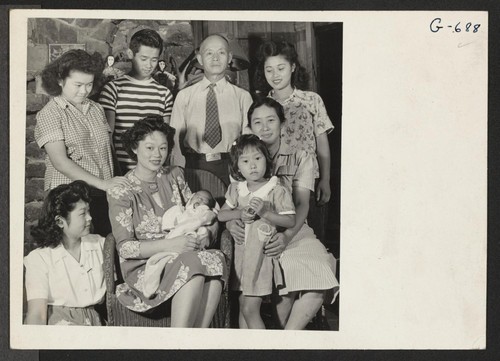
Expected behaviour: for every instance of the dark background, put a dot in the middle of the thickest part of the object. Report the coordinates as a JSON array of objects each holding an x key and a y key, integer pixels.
[{"x": 493, "y": 301}]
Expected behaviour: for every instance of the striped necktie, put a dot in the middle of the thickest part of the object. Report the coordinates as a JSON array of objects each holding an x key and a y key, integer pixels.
[{"x": 213, "y": 131}]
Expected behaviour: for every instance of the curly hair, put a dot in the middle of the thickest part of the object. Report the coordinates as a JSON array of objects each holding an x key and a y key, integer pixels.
[
  {"x": 59, "y": 203},
  {"x": 75, "y": 59},
  {"x": 142, "y": 129},
  {"x": 146, "y": 37},
  {"x": 243, "y": 142},
  {"x": 299, "y": 79},
  {"x": 268, "y": 102}
]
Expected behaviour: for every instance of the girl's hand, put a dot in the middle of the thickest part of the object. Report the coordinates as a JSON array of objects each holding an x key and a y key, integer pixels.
[
  {"x": 323, "y": 192},
  {"x": 247, "y": 214},
  {"x": 237, "y": 230},
  {"x": 258, "y": 205},
  {"x": 114, "y": 182},
  {"x": 276, "y": 245}
]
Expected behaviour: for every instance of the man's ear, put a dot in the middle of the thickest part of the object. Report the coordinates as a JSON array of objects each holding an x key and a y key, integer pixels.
[
  {"x": 198, "y": 57},
  {"x": 130, "y": 53},
  {"x": 229, "y": 58}
]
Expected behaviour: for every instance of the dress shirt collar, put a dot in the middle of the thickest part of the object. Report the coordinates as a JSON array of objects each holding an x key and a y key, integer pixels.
[{"x": 221, "y": 84}]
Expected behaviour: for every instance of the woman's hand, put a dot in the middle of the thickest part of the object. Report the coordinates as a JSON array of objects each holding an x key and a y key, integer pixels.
[
  {"x": 248, "y": 214},
  {"x": 237, "y": 230},
  {"x": 323, "y": 192},
  {"x": 258, "y": 205},
  {"x": 114, "y": 182},
  {"x": 184, "y": 243},
  {"x": 276, "y": 245}
]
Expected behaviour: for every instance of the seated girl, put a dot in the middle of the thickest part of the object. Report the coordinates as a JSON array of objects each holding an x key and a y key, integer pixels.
[
  {"x": 64, "y": 275},
  {"x": 262, "y": 204}
]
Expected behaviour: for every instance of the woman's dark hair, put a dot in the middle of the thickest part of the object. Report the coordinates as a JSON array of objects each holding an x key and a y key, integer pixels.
[
  {"x": 142, "y": 129},
  {"x": 243, "y": 142},
  {"x": 146, "y": 37},
  {"x": 287, "y": 50},
  {"x": 75, "y": 59},
  {"x": 59, "y": 203},
  {"x": 265, "y": 101}
]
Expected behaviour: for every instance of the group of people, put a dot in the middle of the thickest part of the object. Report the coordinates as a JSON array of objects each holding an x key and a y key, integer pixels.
[{"x": 117, "y": 166}]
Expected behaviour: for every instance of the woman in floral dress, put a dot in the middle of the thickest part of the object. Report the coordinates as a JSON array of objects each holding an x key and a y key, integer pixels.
[{"x": 192, "y": 277}]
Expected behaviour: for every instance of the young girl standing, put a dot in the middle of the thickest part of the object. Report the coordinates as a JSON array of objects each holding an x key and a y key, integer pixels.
[
  {"x": 306, "y": 121},
  {"x": 64, "y": 275},
  {"x": 262, "y": 204}
]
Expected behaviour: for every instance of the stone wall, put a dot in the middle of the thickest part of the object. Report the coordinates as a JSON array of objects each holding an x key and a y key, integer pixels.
[{"x": 105, "y": 36}]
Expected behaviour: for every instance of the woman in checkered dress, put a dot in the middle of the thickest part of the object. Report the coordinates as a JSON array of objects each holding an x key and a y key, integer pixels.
[{"x": 73, "y": 130}]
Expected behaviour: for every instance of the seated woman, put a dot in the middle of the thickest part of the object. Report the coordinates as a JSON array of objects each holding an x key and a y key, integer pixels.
[
  {"x": 193, "y": 277},
  {"x": 58, "y": 292},
  {"x": 309, "y": 270}
]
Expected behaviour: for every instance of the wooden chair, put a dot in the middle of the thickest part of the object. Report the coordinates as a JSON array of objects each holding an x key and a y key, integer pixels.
[{"x": 119, "y": 315}]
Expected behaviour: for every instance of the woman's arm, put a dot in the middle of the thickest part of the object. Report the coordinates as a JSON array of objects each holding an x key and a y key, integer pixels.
[
  {"x": 178, "y": 244},
  {"x": 279, "y": 241},
  {"x": 323, "y": 191},
  {"x": 37, "y": 312},
  {"x": 59, "y": 159}
]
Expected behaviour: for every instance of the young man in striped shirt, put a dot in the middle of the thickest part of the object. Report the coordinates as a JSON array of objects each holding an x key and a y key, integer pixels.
[{"x": 134, "y": 96}]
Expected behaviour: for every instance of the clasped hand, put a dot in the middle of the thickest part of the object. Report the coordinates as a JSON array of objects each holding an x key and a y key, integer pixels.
[{"x": 185, "y": 243}]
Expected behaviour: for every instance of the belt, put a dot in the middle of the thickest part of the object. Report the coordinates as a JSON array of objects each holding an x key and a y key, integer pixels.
[{"x": 208, "y": 157}]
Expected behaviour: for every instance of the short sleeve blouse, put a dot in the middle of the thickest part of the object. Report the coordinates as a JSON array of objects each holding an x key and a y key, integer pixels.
[
  {"x": 53, "y": 274},
  {"x": 84, "y": 133}
]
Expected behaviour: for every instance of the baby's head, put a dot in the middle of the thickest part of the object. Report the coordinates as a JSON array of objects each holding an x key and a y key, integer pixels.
[{"x": 202, "y": 197}]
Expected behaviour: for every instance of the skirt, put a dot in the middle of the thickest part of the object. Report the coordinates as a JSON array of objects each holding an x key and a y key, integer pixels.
[
  {"x": 177, "y": 272},
  {"x": 307, "y": 265}
]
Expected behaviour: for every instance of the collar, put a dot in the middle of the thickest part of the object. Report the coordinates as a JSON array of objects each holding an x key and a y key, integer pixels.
[
  {"x": 221, "y": 84},
  {"x": 89, "y": 242},
  {"x": 262, "y": 192},
  {"x": 64, "y": 104},
  {"x": 134, "y": 80},
  {"x": 295, "y": 93}
]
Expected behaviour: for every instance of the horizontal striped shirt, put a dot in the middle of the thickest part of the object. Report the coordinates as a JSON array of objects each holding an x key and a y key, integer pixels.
[
  {"x": 132, "y": 100},
  {"x": 84, "y": 133}
]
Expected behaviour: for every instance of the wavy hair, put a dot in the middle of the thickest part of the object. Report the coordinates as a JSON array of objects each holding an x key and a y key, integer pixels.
[
  {"x": 142, "y": 129},
  {"x": 146, "y": 37},
  {"x": 75, "y": 59},
  {"x": 59, "y": 203},
  {"x": 299, "y": 79},
  {"x": 243, "y": 142}
]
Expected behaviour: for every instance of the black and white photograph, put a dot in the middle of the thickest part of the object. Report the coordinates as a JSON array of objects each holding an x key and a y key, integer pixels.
[{"x": 284, "y": 181}]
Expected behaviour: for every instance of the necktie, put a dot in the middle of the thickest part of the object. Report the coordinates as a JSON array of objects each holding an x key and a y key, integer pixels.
[{"x": 213, "y": 132}]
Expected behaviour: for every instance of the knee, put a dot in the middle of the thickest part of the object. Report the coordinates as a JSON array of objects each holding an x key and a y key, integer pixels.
[{"x": 249, "y": 307}]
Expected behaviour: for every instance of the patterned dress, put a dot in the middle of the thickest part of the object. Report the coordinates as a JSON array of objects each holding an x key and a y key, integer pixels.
[
  {"x": 306, "y": 263},
  {"x": 135, "y": 218},
  {"x": 305, "y": 119}
]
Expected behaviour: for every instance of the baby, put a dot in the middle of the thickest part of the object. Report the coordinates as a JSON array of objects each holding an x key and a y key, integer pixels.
[{"x": 191, "y": 219}]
